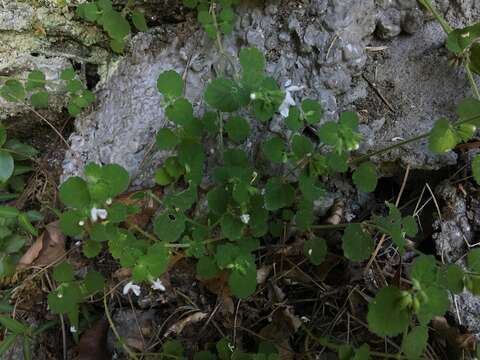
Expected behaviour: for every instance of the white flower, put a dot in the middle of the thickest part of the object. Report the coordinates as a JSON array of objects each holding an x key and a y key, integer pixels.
[
  {"x": 288, "y": 100},
  {"x": 78, "y": 243},
  {"x": 60, "y": 295},
  {"x": 245, "y": 218},
  {"x": 73, "y": 329},
  {"x": 253, "y": 96},
  {"x": 158, "y": 285},
  {"x": 108, "y": 201},
  {"x": 81, "y": 223},
  {"x": 96, "y": 214},
  {"x": 305, "y": 319},
  {"x": 131, "y": 286}
]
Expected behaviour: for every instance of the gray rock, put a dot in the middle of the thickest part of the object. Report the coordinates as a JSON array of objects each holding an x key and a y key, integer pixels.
[{"x": 388, "y": 25}]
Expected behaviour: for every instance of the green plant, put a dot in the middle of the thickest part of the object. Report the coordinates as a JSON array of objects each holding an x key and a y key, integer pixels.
[
  {"x": 70, "y": 293},
  {"x": 34, "y": 87},
  {"x": 19, "y": 330},
  {"x": 13, "y": 165},
  {"x": 113, "y": 22},
  {"x": 15, "y": 228}
]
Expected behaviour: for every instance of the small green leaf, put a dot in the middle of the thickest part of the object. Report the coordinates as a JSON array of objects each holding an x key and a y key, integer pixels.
[
  {"x": 3, "y": 134},
  {"x": 436, "y": 303},
  {"x": 74, "y": 86},
  {"x": 424, "y": 270},
  {"x": 357, "y": 244},
  {"x": 388, "y": 304},
  {"x": 293, "y": 121},
  {"x": 94, "y": 282},
  {"x": 207, "y": 268},
  {"x": 115, "y": 24},
  {"x": 414, "y": 344},
  {"x": 25, "y": 223},
  {"x": 39, "y": 100},
  {"x": 365, "y": 177},
  {"x": 162, "y": 177},
  {"x": 166, "y": 139},
  {"x": 312, "y": 111},
  {"x": 35, "y": 80},
  {"x": 63, "y": 272},
  {"x": 301, "y": 146},
  {"x": 74, "y": 193},
  {"x": 13, "y": 91},
  {"x": 316, "y": 250},
  {"x": 6, "y": 166},
  {"x": 67, "y": 74},
  {"x": 442, "y": 137},
  {"x": 218, "y": 200},
  {"x": 169, "y": 226},
  {"x": 172, "y": 349},
  {"x": 138, "y": 19},
  {"x": 117, "y": 178},
  {"x": 454, "y": 278},
  {"x": 253, "y": 67},
  {"x": 170, "y": 84},
  {"x": 180, "y": 112},
  {"x": 88, "y": 11},
  {"x": 232, "y": 227},
  {"x": 237, "y": 129},
  {"x": 278, "y": 194},
  {"x": 91, "y": 248},
  {"x": 64, "y": 299},
  {"x": 243, "y": 277},
  {"x": 13, "y": 325},
  {"x": 473, "y": 260},
  {"x": 70, "y": 222},
  {"x": 223, "y": 94},
  {"x": 274, "y": 149}
]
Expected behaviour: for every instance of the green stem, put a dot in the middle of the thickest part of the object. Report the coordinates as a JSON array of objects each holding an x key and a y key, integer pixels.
[
  {"x": 476, "y": 93},
  {"x": 441, "y": 20},
  {"x": 408, "y": 141},
  {"x": 388, "y": 148},
  {"x": 331, "y": 226},
  {"x": 144, "y": 233}
]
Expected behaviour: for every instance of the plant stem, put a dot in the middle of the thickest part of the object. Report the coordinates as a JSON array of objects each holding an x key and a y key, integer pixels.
[
  {"x": 476, "y": 93},
  {"x": 408, "y": 141},
  {"x": 330, "y": 226},
  {"x": 388, "y": 148},
  {"x": 144, "y": 233},
  {"x": 441, "y": 20},
  {"x": 114, "y": 329}
]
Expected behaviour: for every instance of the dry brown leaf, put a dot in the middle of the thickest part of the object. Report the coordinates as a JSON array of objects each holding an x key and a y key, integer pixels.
[
  {"x": 458, "y": 342},
  {"x": 93, "y": 343},
  {"x": 47, "y": 249},
  {"x": 178, "y": 327},
  {"x": 148, "y": 207}
]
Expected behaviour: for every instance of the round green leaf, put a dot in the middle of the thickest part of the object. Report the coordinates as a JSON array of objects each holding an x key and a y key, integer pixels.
[
  {"x": 166, "y": 139},
  {"x": 365, "y": 177},
  {"x": 162, "y": 177},
  {"x": 13, "y": 91},
  {"x": 232, "y": 227},
  {"x": 243, "y": 278},
  {"x": 442, "y": 137},
  {"x": 237, "y": 129},
  {"x": 273, "y": 149},
  {"x": 301, "y": 146},
  {"x": 278, "y": 195},
  {"x": 207, "y": 268},
  {"x": 117, "y": 178},
  {"x": 223, "y": 94},
  {"x": 414, "y": 344},
  {"x": 40, "y": 100},
  {"x": 316, "y": 250},
  {"x": 139, "y": 21},
  {"x": 385, "y": 315},
  {"x": 35, "y": 80},
  {"x": 169, "y": 226},
  {"x": 357, "y": 245},
  {"x": 454, "y": 278},
  {"x": 69, "y": 222},
  {"x": 312, "y": 111},
  {"x": 74, "y": 193},
  {"x": 63, "y": 272},
  {"x": 170, "y": 84},
  {"x": 180, "y": 112},
  {"x": 115, "y": 24}
]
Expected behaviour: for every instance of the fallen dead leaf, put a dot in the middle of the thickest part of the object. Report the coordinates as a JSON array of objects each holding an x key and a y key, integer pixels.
[
  {"x": 178, "y": 327},
  {"x": 93, "y": 343},
  {"x": 148, "y": 207},
  {"x": 457, "y": 341},
  {"x": 47, "y": 249}
]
